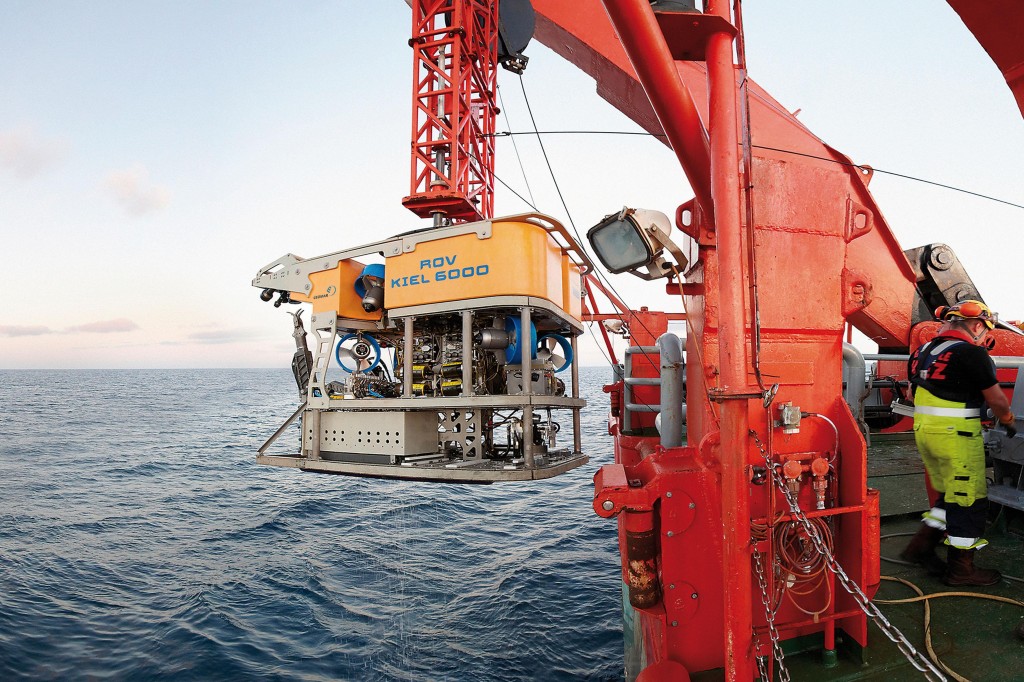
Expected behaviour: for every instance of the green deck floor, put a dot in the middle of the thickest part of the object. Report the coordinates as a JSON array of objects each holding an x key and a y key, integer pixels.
[{"x": 974, "y": 637}]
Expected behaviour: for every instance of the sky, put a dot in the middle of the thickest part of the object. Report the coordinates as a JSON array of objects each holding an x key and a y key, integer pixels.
[{"x": 153, "y": 156}]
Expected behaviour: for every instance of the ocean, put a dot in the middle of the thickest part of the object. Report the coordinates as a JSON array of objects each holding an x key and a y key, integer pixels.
[{"x": 139, "y": 540}]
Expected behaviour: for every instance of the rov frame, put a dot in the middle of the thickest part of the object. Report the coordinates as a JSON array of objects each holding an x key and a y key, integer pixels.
[{"x": 533, "y": 281}]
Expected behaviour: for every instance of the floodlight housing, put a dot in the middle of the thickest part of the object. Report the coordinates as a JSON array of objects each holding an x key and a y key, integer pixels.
[{"x": 633, "y": 240}]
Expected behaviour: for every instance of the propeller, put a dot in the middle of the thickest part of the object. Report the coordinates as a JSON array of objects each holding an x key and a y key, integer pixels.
[
  {"x": 556, "y": 349},
  {"x": 361, "y": 350}
]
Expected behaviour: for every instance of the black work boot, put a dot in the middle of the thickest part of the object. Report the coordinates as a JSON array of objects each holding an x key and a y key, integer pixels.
[
  {"x": 921, "y": 550},
  {"x": 962, "y": 571}
]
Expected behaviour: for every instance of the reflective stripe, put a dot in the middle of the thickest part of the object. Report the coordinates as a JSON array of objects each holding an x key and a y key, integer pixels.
[
  {"x": 935, "y": 518},
  {"x": 966, "y": 543},
  {"x": 944, "y": 345},
  {"x": 947, "y": 412}
]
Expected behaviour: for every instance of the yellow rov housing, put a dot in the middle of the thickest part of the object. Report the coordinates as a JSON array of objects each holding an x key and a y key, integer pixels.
[
  {"x": 507, "y": 257},
  {"x": 449, "y": 341}
]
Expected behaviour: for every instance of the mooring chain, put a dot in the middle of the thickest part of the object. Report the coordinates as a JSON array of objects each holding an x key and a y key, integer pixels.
[
  {"x": 916, "y": 658},
  {"x": 773, "y": 633}
]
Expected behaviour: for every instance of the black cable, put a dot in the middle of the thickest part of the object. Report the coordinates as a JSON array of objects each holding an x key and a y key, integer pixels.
[
  {"x": 590, "y": 328},
  {"x": 894, "y": 173},
  {"x": 522, "y": 170},
  {"x": 568, "y": 215},
  {"x": 516, "y": 193},
  {"x": 547, "y": 161},
  {"x": 782, "y": 151}
]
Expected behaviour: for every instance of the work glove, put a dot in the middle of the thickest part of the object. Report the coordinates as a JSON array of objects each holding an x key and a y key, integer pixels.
[{"x": 1010, "y": 426}]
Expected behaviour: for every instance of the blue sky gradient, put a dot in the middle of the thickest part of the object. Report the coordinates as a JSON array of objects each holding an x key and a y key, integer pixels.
[{"x": 154, "y": 155}]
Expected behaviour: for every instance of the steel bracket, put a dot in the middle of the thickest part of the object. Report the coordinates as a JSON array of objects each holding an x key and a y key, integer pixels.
[{"x": 614, "y": 494}]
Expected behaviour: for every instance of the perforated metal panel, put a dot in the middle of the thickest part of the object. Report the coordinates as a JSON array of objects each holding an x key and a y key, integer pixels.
[{"x": 377, "y": 433}]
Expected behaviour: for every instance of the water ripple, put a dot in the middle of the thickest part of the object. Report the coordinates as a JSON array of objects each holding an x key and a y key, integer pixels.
[{"x": 139, "y": 541}]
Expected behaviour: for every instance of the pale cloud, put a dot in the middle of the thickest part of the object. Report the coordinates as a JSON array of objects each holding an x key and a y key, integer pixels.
[
  {"x": 106, "y": 327},
  {"x": 27, "y": 154},
  {"x": 135, "y": 192},
  {"x": 24, "y": 330},
  {"x": 220, "y": 336}
]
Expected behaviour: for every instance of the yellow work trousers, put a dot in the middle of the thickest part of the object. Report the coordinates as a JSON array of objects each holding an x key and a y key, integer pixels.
[{"x": 952, "y": 450}]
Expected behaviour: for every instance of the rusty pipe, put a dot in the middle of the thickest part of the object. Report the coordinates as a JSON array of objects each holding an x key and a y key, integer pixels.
[{"x": 640, "y": 560}]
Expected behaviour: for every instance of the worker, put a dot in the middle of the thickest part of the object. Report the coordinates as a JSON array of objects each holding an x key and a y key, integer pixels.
[{"x": 952, "y": 375}]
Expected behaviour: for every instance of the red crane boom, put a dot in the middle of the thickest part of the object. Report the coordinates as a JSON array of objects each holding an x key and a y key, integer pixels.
[{"x": 454, "y": 86}]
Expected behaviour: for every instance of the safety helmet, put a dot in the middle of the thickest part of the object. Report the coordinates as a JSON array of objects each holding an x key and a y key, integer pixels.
[{"x": 968, "y": 310}]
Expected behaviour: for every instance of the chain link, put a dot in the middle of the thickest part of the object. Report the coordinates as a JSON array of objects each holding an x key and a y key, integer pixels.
[
  {"x": 769, "y": 614},
  {"x": 916, "y": 658},
  {"x": 762, "y": 666}
]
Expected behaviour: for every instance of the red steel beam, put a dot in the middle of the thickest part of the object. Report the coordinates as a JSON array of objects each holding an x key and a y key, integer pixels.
[
  {"x": 454, "y": 79},
  {"x": 655, "y": 68},
  {"x": 581, "y": 33},
  {"x": 725, "y": 189},
  {"x": 645, "y": 46},
  {"x": 996, "y": 24}
]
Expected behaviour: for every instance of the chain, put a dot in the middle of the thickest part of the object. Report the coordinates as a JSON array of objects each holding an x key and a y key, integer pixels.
[
  {"x": 762, "y": 666},
  {"x": 916, "y": 658},
  {"x": 769, "y": 615}
]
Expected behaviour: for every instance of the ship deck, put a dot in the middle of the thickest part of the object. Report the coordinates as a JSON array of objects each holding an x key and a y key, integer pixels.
[{"x": 972, "y": 635}]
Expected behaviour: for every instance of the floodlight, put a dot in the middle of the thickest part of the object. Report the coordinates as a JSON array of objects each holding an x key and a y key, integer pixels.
[{"x": 634, "y": 239}]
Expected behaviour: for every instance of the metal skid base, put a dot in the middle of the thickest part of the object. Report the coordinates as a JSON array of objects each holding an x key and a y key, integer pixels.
[
  {"x": 441, "y": 440},
  {"x": 435, "y": 468}
]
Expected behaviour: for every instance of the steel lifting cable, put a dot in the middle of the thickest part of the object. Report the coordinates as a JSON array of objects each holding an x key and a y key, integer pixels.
[
  {"x": 565, "y": 207},
  {"x": 522, "y": 169},
  {"x": 568, "y": 215},
  {"x": 521, "y": 197},
  {"x": 597, "y": 342},
  {"x": 531, "y": 204},
  {"x": 953, "y": 188}
]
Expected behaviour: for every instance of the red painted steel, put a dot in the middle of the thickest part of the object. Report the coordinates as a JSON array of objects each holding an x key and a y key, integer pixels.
[
  {"x": 815, "y": 228},
  {"x": 879, "y": 283},
  {"x": 997, "y": 26},
  {"x": 725, "y": 187},
  {"x": 455, "y": 45},
  {"x": 701, "y": 491},
  {"x": 641, "y": 36}
]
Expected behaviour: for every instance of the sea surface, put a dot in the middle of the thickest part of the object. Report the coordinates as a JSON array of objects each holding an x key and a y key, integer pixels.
[{"x": 139, "y": 540}]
